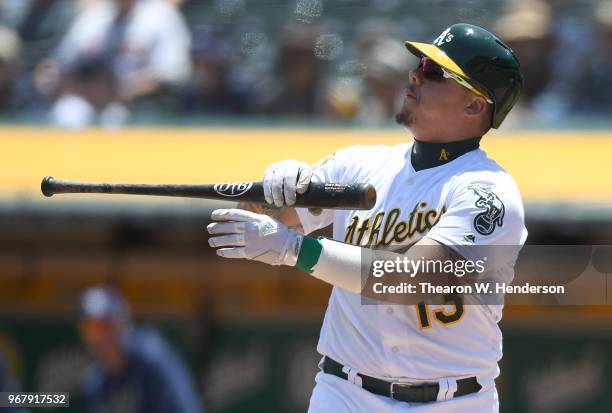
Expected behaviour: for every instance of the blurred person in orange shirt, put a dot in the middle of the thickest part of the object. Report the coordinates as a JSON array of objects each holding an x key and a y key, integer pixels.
[{"x": 135, "y": 370}]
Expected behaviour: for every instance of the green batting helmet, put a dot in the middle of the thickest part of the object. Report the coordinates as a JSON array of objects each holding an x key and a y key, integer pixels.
[{"x": 482, "y": 59}]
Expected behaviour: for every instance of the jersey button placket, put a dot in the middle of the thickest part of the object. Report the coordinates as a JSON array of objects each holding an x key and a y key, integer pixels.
[
  {"x": 387, "y": 323},
  {"x": 392, "y": 347},
  {"x": 390, "y": 311}
]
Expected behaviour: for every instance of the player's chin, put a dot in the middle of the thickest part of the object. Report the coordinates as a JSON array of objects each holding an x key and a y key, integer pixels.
[{"x": 404, "y": 117}]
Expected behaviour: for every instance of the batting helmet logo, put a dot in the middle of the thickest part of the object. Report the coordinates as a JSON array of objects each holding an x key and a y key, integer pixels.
[
  {"x": 494, "y": 210},
  {"x": 445, "y": 36}
]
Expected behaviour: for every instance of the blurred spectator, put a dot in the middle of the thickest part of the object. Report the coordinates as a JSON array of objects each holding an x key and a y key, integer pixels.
[
  {"x": 589, "y": 88},
  {"x": 90, "y": 96},
  {"x": 387, "y": 66},
  {"x": 40, "y": 24},
  {"x": 9, "y": 56},
  {"x": 371, "y": 97},
  {"x": 299, "y": 74},
  {"x": 41, "y": 27},
  {"x": 527, "y": 28},
  {"x": 145, "y": 43},
  {"x": 213, "y": 87},
  {"x": 135, "y": 370}
]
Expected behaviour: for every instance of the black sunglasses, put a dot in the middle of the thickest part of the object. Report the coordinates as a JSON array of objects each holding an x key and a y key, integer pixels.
[{"x": 431, "y": 70}]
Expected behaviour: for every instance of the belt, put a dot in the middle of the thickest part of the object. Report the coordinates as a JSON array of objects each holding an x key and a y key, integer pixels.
[{"x": 420, "y": 393}]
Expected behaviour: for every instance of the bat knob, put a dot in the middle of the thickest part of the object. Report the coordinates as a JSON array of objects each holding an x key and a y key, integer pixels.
[
  {"x": 370, "y": 198},
  {"x": 46, "y": 186}
]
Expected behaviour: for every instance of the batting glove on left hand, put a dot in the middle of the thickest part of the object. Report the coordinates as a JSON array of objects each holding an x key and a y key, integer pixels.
[
  {"x": 254, "y": 237},
  {"x": 284, "y": 180}
]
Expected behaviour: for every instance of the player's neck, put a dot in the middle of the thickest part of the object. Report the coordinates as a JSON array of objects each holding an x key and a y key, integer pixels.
[{"x": 426, "y": 155}]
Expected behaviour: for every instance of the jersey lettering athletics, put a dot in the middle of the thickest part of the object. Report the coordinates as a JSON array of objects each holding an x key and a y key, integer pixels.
[
  {"x": 465, "y": 202},
  {"x": 387, "y": 228}
]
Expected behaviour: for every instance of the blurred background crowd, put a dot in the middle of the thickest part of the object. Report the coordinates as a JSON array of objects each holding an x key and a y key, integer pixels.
[{"x": 74, "y": 63}]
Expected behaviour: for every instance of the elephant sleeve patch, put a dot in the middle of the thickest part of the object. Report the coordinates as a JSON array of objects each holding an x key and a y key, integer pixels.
[{"x": 492, "y": 207}]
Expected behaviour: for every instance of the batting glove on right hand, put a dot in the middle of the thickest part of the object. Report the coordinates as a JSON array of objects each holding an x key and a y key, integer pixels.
[
  {"x": 284, "y": 180},
  {"x": 245, "y": 234}
]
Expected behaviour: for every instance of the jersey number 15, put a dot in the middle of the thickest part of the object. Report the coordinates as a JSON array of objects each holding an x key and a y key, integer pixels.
[{"x": 440, "y": 314}]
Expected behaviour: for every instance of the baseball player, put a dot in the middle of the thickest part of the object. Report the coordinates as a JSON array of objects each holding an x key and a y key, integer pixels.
[
  {"x": 439, "y": 191},
  {"x": 134, "y": 369}
]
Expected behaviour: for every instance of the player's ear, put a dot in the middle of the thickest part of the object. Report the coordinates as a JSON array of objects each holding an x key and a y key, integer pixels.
[{"x": 476, "y": 105}]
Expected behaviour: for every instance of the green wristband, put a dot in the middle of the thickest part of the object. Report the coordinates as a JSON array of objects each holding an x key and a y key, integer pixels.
[{"x": 310, "y": 251}]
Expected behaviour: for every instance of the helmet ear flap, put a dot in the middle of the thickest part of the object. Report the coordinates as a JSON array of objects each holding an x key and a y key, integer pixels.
[{"x": 510, "y": 97}]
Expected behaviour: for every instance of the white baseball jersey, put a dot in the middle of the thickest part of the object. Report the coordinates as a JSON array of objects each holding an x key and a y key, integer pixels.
[{"x": 444, "y": 203}]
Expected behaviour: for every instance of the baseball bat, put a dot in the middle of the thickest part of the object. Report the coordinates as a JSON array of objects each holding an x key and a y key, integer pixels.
[{"x": 319, "y": 195}]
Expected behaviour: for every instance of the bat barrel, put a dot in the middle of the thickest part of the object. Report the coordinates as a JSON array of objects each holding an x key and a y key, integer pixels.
[{"x": 51, "y": 186}]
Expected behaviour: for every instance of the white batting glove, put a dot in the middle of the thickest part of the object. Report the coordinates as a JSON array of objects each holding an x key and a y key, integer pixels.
[
  {"x": 254, "y": 237},
  {"x": 284, "y": 180}
]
